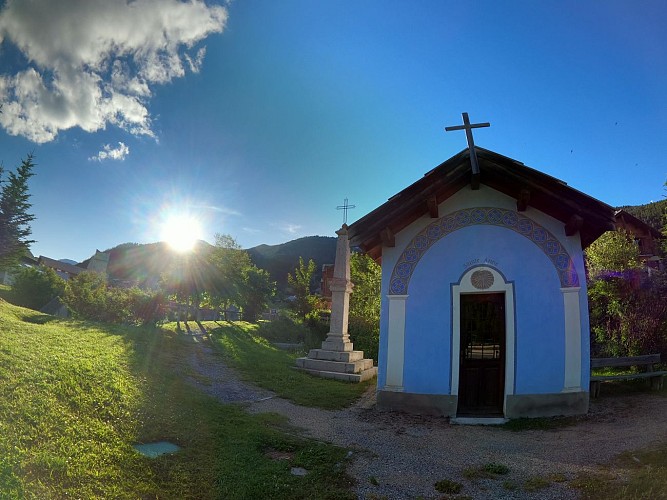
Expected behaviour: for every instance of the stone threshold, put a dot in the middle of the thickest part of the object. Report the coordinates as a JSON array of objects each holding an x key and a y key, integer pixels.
[{"x": 478, "y": 420}]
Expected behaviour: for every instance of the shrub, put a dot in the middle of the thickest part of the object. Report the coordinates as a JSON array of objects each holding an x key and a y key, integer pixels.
[
  {"x": 365, "y": 333},
  {"x": 89, "y": 297},
  {"x": 448, "y": 486},
  {"x": 628, "y": 319},
  {"x": 35, "y": 287}
]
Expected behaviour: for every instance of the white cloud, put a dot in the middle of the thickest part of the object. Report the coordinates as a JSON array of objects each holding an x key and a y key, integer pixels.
[
  {"x": 290, "y": 228},
  {"x": 107, "y": 153},
  {"x": 218, "y": 208},
  {"x": 93, "y": 62}
]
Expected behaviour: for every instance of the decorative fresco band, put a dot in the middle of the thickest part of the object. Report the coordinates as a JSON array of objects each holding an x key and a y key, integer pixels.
[{"x": 490, "y": 216}]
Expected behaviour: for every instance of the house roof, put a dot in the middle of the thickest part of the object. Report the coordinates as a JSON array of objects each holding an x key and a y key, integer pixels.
[
  {"x": 627, "y": 217},
  {"x": 60, "y": 266},
  {"x": 528, "y": 186}
]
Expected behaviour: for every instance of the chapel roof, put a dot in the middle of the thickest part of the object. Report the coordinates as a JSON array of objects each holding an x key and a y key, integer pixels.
[{"x": 530, "y": 187}]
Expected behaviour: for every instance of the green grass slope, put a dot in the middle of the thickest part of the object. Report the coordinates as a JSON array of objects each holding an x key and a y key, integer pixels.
[
  {"x": 76, "y": 396},
  {"x": 244, "y": 346}
]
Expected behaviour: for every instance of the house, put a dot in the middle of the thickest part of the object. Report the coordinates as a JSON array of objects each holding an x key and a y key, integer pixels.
[
  {"x": 7, "y": 275},
  {"x": 327, "y": 276},
  {"x": 63, "y": 269},
  {"x": 648, "y": 238},
  {"x": 98, "y": 263},
  {"x": 484, "y": 308}
]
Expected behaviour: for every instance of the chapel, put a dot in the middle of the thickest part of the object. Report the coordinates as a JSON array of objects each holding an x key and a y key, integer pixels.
[{"x": 484, "y": 307}]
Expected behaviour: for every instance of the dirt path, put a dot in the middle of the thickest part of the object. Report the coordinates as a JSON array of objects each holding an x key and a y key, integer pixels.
[{"x": 406, "y": 455}]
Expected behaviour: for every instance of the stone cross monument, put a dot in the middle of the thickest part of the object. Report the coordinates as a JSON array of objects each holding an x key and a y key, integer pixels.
[{"x": 337, "y": 358}]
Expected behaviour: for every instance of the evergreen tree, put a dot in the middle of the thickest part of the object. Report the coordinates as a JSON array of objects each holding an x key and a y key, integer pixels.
[{"x": 14, "y": 217}]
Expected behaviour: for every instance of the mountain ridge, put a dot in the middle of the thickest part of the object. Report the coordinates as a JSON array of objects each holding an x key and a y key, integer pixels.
[{"x": 144, "y": 263}]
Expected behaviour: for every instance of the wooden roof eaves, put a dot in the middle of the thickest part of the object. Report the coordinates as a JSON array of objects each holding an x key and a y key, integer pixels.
[
  {"x": 411, "y": 199},
  {"x": 548, "y": 194},
  {"x": 554, "y": 198}
]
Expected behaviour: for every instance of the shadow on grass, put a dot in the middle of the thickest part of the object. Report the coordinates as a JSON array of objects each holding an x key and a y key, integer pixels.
[
  {"x": 644, "y": 475},
  {"x": 39, "y": 318},
  {"x": 616, "y": 388},
  {"x": 266, "y": 366},
  {"x": 5, "y": 293},
  {"x": 609, "y": 390},
  {"x": 539, "y": 423},
  {"x": 231, "y": 443}
]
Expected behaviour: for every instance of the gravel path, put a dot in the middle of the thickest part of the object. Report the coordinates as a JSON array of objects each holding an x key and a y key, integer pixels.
[
  {"x": 406, "y": 455},
  {"x": 202, "y": 367}
]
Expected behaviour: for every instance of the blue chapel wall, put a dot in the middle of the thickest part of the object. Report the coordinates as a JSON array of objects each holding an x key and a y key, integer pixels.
[{"x": 539, "y": 314}]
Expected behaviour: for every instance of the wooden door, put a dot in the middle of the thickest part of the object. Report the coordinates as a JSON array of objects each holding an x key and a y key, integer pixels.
[{"x": 482, "y": 356}]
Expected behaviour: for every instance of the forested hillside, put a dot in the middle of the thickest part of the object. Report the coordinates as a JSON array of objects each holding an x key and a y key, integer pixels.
[
  {"x": 651, "y": 213},
  {"x": 279, "y": 260},
  {"x": 145, "y": 263}
]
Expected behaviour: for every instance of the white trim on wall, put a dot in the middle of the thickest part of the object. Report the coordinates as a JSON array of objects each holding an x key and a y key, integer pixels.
[
  {"x": 572, "y": 310},
  {"x": 395, "y": 343},
  {"x": 499, "y": 285}
]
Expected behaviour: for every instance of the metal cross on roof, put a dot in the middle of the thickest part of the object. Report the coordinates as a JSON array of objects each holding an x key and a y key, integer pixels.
[
  {"x": 467, "y": 126},
  {"x": 345, "y": 207}
]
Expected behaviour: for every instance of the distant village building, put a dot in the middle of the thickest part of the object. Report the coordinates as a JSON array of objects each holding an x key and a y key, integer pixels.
[
  {"x": 325, "y": 290},
  {"x": 7, "y": 275},
  {"x": 98, "y": 263},
  {"x": 484, "y": 305},
  {"x": 648, "y": 238},
  {"x": 63, "y": 269}
]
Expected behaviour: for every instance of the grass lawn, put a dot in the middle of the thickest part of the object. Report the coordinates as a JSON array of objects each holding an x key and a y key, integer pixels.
[
  {"x": 266, "y": 366},
  {"x": 644, "y": 476},
  {"x": 75, "y": 396}
]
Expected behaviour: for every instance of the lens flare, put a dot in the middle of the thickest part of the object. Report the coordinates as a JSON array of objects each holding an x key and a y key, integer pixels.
[{"x": 181, "y": 232}]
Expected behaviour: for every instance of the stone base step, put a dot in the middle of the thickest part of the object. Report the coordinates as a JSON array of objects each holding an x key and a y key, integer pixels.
[
  {"x": 345, "y": 356},
  {"x": 334, "y": 366},
  {"x": 347, "y": 377}
]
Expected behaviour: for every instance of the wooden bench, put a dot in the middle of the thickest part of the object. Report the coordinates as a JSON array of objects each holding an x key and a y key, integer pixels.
[{"x": 645, "y": 362}]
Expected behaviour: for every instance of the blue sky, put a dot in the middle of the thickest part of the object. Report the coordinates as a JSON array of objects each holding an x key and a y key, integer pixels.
[{"x": 258, "y": 118}]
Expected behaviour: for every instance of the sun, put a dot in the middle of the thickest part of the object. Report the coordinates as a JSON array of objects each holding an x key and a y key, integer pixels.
[{"x": 181, "y": 232}]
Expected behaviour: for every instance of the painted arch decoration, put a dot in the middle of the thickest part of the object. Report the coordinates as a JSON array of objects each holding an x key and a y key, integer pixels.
[{"x": 490, "y": 216}]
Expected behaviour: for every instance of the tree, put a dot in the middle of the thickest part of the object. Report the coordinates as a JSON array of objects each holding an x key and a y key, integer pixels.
[
  {"x": 664, "y": 227},
  {"x": 229, "y": 262},
  {"x": 236, "y": 280},
  {"x": 366, "y": 275},
  {"x": 14, "y": 217},
  {"x": 628, "y": 315},
  {"x": 34, "y": 288},
  {"x": 256, "y": 292},
  {"x": 85, "y": 295},
  {"x": 364, "y": 318},
  {"x": 612, "y": 253},
  {"x": 304, "y": 301}
]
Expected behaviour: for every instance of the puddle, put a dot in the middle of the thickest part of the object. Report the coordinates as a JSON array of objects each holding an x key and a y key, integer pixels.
[
  {"x": 153, "y": 450},
  {"x": 298, "y": 471}
]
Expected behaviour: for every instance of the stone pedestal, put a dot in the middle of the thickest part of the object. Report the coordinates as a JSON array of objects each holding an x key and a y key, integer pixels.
[{"x": 337, "y": 358}]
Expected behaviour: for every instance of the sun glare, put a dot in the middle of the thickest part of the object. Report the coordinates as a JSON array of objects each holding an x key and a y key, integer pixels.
[{"x": 181, "y": 232}]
